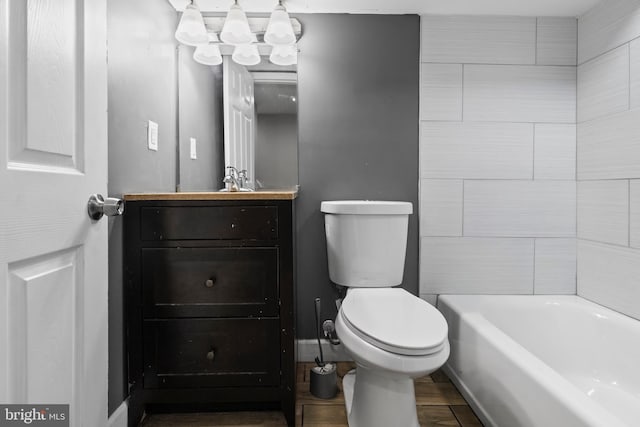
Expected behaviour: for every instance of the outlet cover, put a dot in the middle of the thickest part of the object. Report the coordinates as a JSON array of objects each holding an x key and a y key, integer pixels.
[
  {"x": 152, "y": 136},
  {"x": 194, "y": 155}
]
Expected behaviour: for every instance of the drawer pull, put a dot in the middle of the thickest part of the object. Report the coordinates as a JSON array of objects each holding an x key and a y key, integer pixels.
[
  {"x": 210, "y": 282},
  {"x": 211, "y": 355}
]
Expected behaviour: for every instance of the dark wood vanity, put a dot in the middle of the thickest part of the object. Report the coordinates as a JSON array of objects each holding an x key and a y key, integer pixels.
[{"x": 209, "y": 285}]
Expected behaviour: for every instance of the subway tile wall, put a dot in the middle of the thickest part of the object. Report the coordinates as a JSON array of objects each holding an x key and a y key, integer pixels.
[
  {"x": 608, "y": 155},
  {"x": 498, "y": 155}
]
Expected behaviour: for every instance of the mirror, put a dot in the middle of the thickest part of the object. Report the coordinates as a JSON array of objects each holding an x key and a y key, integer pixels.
[{"x": 240, "y": 116}]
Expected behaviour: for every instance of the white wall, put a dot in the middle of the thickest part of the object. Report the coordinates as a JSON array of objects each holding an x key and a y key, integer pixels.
[
  {"x": 497, "y": 155},
  {"x": 609, "y": 155}
]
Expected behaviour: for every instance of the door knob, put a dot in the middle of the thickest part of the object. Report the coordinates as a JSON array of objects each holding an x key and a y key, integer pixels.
[{"x": 99, "y": 206}]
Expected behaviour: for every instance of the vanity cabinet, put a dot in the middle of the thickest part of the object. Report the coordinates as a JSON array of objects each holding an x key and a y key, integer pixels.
[{"x": 210, "y": 305}]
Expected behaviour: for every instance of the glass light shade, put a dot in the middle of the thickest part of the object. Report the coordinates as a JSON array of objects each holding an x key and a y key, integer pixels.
[
  {"x": 279, "y": 30},
  {"x": 246, "y": 54},
  {"x": 284, "y": 55},
  {"x": 191, "y": 30},
  {"x": 236, "y": 29},
  {"x": 208, "y": 54}
]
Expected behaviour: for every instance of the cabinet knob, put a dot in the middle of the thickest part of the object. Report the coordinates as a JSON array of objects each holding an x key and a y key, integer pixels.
[
  {"x": 210, "y": 282},
  {"x": 211, "y": 355}
]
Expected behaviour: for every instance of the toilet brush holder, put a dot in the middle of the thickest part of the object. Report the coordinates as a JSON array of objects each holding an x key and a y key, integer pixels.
[{"x": 324, "y": 381}]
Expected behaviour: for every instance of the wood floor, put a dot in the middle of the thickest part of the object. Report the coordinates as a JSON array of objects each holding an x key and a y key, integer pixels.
[{"x": 438, "y": 401}]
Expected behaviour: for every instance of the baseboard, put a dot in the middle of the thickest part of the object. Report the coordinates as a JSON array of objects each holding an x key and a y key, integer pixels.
[
  {"x": 119, "y": 417},
  {"x": 308, "y": 351}
]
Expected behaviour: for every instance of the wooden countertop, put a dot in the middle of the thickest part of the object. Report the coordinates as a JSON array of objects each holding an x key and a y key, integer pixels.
[{"x": 217, "y": 195}]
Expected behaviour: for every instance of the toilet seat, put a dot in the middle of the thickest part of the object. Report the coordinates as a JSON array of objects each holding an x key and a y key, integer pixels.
[{"x": 394, "y": 320}]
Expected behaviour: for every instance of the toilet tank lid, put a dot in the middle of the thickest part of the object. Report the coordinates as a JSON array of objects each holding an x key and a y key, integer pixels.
[{"x": 366, "y": 207}]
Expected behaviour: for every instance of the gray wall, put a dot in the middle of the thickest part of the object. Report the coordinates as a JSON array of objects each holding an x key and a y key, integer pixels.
[
  {"x": 358, "y": 93},
  {"x": 277, "y": 150},
  {"x": 200, "y": 117},
  {"x": 142, "y": 86}
]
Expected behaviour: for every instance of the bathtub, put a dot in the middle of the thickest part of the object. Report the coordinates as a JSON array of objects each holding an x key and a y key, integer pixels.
[{"x": 544, "y": 360}]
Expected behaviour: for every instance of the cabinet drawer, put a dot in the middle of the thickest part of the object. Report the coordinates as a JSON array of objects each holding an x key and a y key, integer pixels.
[
  {"x": 210, "y": 282},
  {"x": 209, "y": 222},
  {"x": 211, "y": 353}
]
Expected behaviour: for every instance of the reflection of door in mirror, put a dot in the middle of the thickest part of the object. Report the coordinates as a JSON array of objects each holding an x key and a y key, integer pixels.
[
  {"x": 276, "y": 141},
  {"x": 239, "y": 123}
]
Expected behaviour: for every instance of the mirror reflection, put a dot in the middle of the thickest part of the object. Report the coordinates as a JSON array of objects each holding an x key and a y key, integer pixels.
[{"x": 238, "y": 125}]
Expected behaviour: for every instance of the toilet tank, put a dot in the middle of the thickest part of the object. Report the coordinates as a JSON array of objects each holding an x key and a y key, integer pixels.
[{"x": 366, "y": 241}]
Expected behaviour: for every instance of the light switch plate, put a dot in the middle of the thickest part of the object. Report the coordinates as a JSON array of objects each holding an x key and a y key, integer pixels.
[
  {"x": 194, "y": 155},
  {"x": 152, "y": 136}
]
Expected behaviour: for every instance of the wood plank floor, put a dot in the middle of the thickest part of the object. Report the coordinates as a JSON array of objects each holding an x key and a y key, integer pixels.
[{"x": 439, "y": 404}]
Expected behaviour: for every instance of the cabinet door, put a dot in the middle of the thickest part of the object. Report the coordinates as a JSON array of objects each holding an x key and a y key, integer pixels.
[
  {"x": 210, "y": 282},
  {"x": 211, "y": 353}
]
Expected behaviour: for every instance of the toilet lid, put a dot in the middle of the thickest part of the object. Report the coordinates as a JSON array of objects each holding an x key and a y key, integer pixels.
[{"x": 394, "y": 320}]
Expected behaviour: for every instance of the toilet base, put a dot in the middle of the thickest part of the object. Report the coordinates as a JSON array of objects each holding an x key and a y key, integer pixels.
[{"x": 374, "y": 400}]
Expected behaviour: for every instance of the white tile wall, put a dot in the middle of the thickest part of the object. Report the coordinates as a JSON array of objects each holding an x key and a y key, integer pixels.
[
  {"x": 555, "y": 266},
  {"x": 441, "y": 92},
  {"x": 497, "y": 155},
  {"x": 556, "y": 41},
  {"x": 634, "y": 71},
  {"x": 609, "y": 147},
  {"x": 506, "y": 93},
  {"x": 476, "y": 150},
  {"x": 608, "y": 25},
  {"x": 634, "y": 211},
  {"x": 603, "y": 85},
  {"x": 555, "y": 151},
  {"x": 476, "y": 265},
  {"x": 603, "y": 211},
  {"x": 609, "y": 275},
  {"x": 473, "y": 39},
  {"x": 520, "y": 208},
  {"x": 441, "y": 213}
]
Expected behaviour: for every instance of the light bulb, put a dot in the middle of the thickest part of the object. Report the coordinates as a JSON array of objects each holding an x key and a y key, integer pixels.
[
  {"x": 191, "y": 30},
  {"x": 246, "y": 54},
  {"x": 284, "y": 55},
  {"x": 279, "y": 30},
  {"x": 208, "y": 54},
  {"x": 236, "y": 29}
]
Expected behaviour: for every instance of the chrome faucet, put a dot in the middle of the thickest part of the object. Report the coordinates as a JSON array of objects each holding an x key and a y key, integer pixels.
[
  {"x": 231, "y": 179},
  {"x": 242, "y": 178}
]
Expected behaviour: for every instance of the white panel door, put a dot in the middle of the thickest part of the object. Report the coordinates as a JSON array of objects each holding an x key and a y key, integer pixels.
[
  {"x": 239, "y": 119},
  {"x": 53, "y": 156}
]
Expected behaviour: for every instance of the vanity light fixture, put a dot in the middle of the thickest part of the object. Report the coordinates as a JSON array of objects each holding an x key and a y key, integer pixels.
[
  {"x": 191, "y": 30},
  {"x": 279, "y": 30},
  {"x": 236, "y": 29},
  {"x": 284, "y": 55},
  {"x": 246, "y": 54}
]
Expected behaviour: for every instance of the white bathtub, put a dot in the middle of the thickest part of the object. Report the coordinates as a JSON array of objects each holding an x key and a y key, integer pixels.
[{"x": 544, "y": 360}]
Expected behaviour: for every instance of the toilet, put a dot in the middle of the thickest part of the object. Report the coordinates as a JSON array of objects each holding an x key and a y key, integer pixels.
[{"x": 392, "y": 335}]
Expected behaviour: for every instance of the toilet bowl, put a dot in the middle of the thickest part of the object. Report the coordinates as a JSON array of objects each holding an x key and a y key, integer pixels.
[{"x": 392, "y": 335}]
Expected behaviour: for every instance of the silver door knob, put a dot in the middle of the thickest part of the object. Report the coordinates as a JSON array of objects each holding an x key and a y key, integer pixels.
[{"x": 99, "y": 206}]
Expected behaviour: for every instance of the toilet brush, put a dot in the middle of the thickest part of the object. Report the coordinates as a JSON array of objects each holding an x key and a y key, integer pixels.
[
  {"x": 319, "y": 362},
  {"x": 324, "y": 378}
]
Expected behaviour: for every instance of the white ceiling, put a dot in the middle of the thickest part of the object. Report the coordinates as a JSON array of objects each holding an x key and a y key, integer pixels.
[{"x": 441, "y": 7}]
